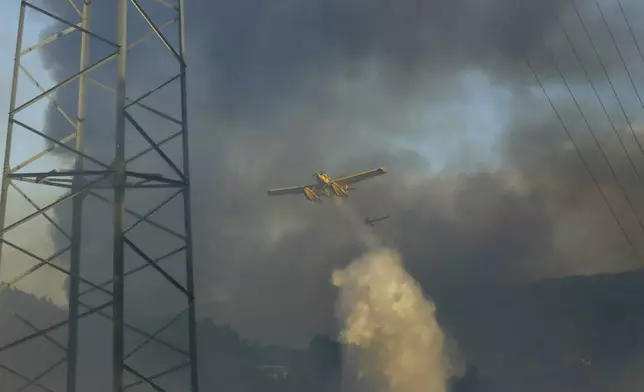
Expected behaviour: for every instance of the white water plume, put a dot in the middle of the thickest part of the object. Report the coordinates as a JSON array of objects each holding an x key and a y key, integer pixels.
[{"x": 389, "y": 326}]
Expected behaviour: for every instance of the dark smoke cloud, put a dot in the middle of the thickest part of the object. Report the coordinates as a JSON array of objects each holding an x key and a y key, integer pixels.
[{"x": 279, "y": 90}]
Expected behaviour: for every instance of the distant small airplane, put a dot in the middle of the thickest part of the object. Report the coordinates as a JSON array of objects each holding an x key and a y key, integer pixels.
[
  {"x": 372, "y": 222},
  {"x": 326, "y": 186}
]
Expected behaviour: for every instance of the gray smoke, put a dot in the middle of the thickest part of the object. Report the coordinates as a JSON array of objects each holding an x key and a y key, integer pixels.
[{"x": 281, "y": 89}]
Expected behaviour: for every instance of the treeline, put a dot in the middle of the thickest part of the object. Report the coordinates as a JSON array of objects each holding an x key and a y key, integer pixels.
[{"x": 228, "y": 362}]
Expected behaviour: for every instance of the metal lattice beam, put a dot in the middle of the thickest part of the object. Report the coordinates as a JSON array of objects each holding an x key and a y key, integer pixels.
[{"x": 79, "y": 182}]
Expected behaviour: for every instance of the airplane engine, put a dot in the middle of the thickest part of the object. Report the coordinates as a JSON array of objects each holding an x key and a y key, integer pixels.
[
  {"x": 310, "y": 195},
  {"x": 339, "y": 190}
]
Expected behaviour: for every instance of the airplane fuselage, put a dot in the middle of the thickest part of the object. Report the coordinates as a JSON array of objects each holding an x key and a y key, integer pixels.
[
  {"x": 323, "y": 179},
  {"x": 372, "y": 222},
  {"x": 330, "y": 187}
]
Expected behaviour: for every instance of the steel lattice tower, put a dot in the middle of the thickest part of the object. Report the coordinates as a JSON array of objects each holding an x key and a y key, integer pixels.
[{"x": 79, "y": 183}]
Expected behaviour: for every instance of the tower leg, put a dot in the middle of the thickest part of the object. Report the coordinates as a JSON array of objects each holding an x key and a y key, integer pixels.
[
  {"x": 77, "y": 209},
  {"x": 4, "y": 188},
  {"x": 187, "y": 214},
  {"x": 119, "y": 204}
]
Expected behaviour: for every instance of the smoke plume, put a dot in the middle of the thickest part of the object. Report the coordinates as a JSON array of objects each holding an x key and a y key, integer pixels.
[
  {"x": 484, "y": 189},
  {"x": 389, "y": 327},
  {"x": 437, "y": 92}
]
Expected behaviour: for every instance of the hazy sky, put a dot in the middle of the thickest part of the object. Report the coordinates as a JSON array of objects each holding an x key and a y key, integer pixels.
[
  {"x": 279, "y": 90},
  {"x": 25, "y": 144},
  {"x": 483, "y": 188},
  {"x": 479, "y": 116}
]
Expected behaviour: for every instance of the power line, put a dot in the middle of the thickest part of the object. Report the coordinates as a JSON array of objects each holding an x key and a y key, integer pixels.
[
  {"x": 601, "y": 102},
  {"x": 590, "y": 128},
  {"x": 585, "y": 162},
  {"x": 592, "y": 132},
  {"x": 610, "y": 82},
  {"x": 630, "y": 29},
  {"x": 576, "y": 147},
  {"x": 619, "y": 52}
]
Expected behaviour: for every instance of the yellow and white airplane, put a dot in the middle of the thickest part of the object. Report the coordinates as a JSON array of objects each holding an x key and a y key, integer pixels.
[{"x": 326, "y": 186}]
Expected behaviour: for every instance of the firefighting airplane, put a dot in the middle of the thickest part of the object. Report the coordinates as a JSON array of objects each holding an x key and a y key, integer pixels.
[
  {"x": 372, "y": 222},
  {"x": 326, "y": 186}
]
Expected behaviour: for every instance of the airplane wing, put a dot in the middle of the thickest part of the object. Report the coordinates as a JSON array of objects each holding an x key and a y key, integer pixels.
[
  {"x": 291, "y": 190},
  {"x": 360, "y": 176}
]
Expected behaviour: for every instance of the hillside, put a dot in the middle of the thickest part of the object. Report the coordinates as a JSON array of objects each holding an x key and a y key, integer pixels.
[{"x": 579, "y": 333}]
